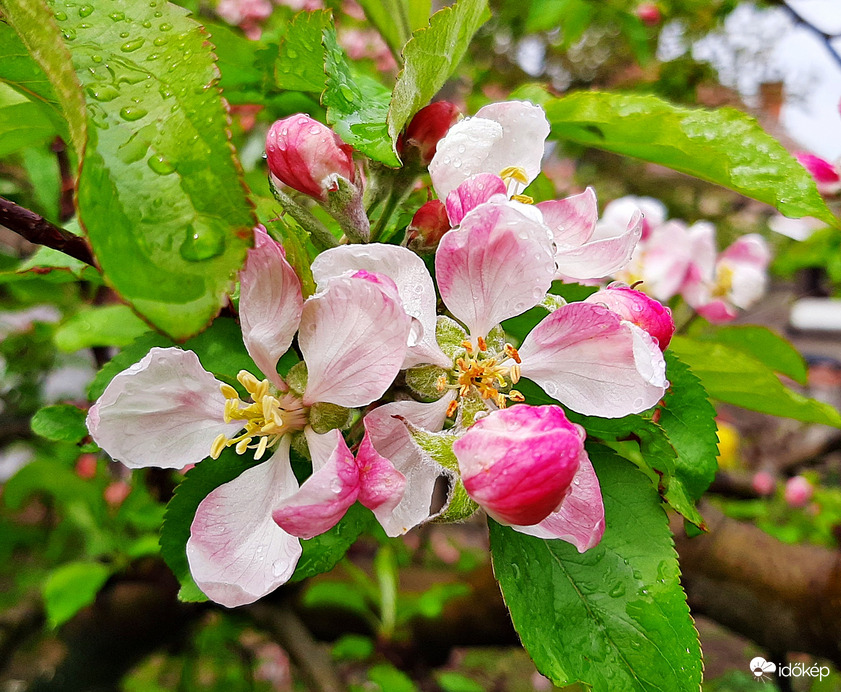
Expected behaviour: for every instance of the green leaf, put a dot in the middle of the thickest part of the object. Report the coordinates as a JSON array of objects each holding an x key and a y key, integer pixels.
[
  {"x": 688, "y": 419},
  {"x": 723, "y": 146},
  {"x": 391, "y": 19},
  {"x": 61, "y": 422},
  {"x": 737, "y": 378},
  {"x": 356, "y": 108},
  {"x": 764, "y": 345},
  {"x": 574, "y": 16},
  {"x": 37, "y": 63},
  {"x": 71, "y": 587},
  {"x": 323, "y": 552},
  {"x": 390, "y": 679},
  {"x": 160, "y": 194},
  {"x": 450, "y": 681},
  {"x": 614, "y": 617},
  {"x": 431, "y": 56},
  {"x": 107, "y": 325},
  {"x": 22, "y": 122},
  {"x": 300, "y": 61}
]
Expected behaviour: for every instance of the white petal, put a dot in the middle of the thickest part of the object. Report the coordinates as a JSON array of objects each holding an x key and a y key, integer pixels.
[
  {"x": 386, "y": 435},
  {"x": 584, "y": 356},
  {"x": 237, "y": 553},
  {"x": 354, "y": 338},
  {"x": 497, "y": 265},
  {"x": 270, "y": 304},
  {"x": 164, "y": 411},
  {"x": 572, "y": 220},
  {"x": 414, "y": 284},
  {"x": 465, "y": 150},
  {"x": 603, "y": 254}
]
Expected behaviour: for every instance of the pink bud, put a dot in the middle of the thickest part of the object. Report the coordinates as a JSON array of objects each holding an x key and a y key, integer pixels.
[
  {"x": 639, "y": 309},
  {"x": 649, "y": 13},
  {"x": 518, "y": 463},
  {"x": 798, "y": 492},
  {"x": 115, "y": 493},
  {"x": 825, "y": 174},
  {"x": 426, "y": 129},
  {"x": 86, "y": 466},
  {"x": 308, "y": 156},
  {"x": 763, "y": 483},
  {"x": 428, "y": 226}
]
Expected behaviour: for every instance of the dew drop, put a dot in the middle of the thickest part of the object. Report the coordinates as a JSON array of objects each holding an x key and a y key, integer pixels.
[
  {"x": 117, "y": 16},
  {"x": 131, "y": 46},
  {"x": 166, "y": 26},
  {"x": 160, "y": 40},
  {"x": 124, "y": 34},
  {"x": 103, "y": 92},
  {"x": 85, "y": 10},
  {"x": 158, "y": 13},
  {"x": 69, "y": 34},
  {"x": 160, "y": 165},
  {"x": 202, "y": 243},
  {"x": 617, "y": 591},
  {"x": 132, "y": 113},
  {"x": 60, "y": 16},
  {"x": 147, "y": 24},
  {"x": 515, "y": 570},
  {"x": 292, "y": 53},
  {"x": 96, "y": 58}
]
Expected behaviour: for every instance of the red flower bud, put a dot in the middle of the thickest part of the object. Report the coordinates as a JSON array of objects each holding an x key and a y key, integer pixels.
[
  {"x": 428, "y": 126},
  {"x": 86, "y": 466},
  {"x": 639, "y": 309},
  {"x": 428, "y": 226},
  {"x": 649, "y": 14},
  {"x": 308, "y": 156}
]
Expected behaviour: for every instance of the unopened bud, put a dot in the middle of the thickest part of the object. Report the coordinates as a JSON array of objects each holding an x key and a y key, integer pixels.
[
  {"x": 115, "y": 493},
  {"x": 649, "y": 13},
  {"x": 428, "y": 226},
  {"x": 763, "y": 483},
  {"x": 86, "y": 466},
  {"x": 798, "y": 492},
  {"x": 308, "y": 156},
  {"x": 420, "y": 140},
  {"x": 639, "y": 309},
  {"x": 518, "y": 463}
]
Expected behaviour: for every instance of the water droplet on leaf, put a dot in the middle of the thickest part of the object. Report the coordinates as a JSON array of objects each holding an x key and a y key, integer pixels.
[
  {"x": 160, "y": 165},
  {"x": 130, "y": 46},
  {"x": 132, "y": 113},
  {"x": 85, "y": 10},
  {"x": 202, "y": 243},
  {"x": 103, "y": 92}
]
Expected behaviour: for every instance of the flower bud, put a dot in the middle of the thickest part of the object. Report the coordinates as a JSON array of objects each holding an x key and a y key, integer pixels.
[
  {"x": 763, "y": 483},
  {"x": 430, "y": 124},
  {"x": 639, "y": 309},
  {"x": 798, "y": 492},
  {"x": 86, "y": 466},
  {"x": 428, "y": 226},
  {"x": 308, "y": 156},
  {"x": 518, "y": 463},
  {"x": 649, "y": 13}
]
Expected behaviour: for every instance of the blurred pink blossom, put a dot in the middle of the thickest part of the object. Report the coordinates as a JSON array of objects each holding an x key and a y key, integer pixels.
[{"x": 798, "y": 491}]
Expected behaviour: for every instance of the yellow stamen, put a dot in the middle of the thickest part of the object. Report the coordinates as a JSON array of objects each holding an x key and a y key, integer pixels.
[
  {"x": 452, "y": 408},
  {"x": 523, "y": 199},
  {"x": 514, "y": 173},
  {"x": 483, "y": 345}
]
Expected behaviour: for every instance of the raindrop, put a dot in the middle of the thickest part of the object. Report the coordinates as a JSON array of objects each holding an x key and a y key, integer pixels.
[
  {"x": 160, "y": 40},
  {"x": 60, "y": 16},
  {"x": 84, "y": 25},
  {"x": 124, "y": 34},
  {"x": 132, "y": 113},
  {"x": 85, "y": 10},
  {"x": 202, "y": 243},
  {"x": 165, "y": 27},
  {"x": 160, "y": 165},
  {"x": 292, "y": 53},
  {"x": 69, "y": 34},
  {"x": 96, "y": 58},
  {"x": 515, "y": 570},
  {"x": 117, "y": 16},
  {"x": 103, "y": 92},
  {"x": 617, "y": 590},
  {"x": 147, "y": 24},
  {"x": 130, "y": 46}
]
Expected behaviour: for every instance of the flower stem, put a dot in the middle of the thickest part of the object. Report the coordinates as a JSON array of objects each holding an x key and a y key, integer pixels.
[{"x": 322, "y": 238}]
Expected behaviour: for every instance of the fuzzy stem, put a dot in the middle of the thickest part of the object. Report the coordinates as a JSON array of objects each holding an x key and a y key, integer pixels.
[{"x": 321, "y": 236}]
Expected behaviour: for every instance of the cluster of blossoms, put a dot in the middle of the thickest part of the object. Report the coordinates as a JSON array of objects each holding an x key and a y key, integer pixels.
[
  {"x": 395, "y": 389},
  {"x": 673, "y": 258}
]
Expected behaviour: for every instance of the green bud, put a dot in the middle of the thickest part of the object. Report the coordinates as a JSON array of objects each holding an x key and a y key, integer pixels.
[
  {"x": 439, "y": 446},
  {"x": 423, "y": 381},
  {"x": 450, "y": 335},
  {"x": 296, "y": 378},
  {"x": 325, "y": 417}
]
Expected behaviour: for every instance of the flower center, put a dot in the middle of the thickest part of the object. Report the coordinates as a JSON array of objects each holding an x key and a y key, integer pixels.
[
  {"x": 515, "y": 180},
  {"x": 486, "y": 372},
  {"x": 723, "y": 281},
  {"x": 268, "y": 416}
]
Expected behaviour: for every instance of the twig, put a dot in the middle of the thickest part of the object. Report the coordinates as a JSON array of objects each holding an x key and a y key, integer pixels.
[
  {"x": 36, "y": 229},
  {"x": 288, "y": 630}
]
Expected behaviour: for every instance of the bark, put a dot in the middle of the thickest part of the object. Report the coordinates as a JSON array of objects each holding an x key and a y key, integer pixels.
[{"x": 36, "y": 229}]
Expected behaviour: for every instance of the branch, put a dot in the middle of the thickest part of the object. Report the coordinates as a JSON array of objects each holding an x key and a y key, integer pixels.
[
  {"x": 783, "y": 597},
  {"x": 827, "y": 37},
  {"x": 36, "y": 229}
]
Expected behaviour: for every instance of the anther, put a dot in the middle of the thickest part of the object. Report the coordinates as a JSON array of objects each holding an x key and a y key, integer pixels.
[
  {"x": 523, "y": 199},
  {"x": 441, "y": 383},
  {"x": 218, "y": 445},
  {"x": 467, "y": 346},
  {"x": 512, "y": 352},
  {"x": 516, "y": 396},
  {"x": 483, "y": 345},
  {"x": 228, "y": 392},
  {"x": 514, "y": 173},
  {"x": 452, "y": 408}
]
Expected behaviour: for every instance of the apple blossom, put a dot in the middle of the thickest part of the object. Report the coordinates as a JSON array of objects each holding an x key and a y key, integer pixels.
[
  {"x": 636, "y": 307},
  {"x": 427, "y": 127},
  {"x": 798, "y": 491},
  {"x": 826, "y": 175},
  {"x": 167, "y": 411}
]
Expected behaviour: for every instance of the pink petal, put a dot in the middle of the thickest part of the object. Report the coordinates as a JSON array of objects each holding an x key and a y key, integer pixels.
[
  {"x": 497, "y": 265},
  {"x": 237, "y": 554},
  {"x": 617, "y": 212},
  {"x": 414, "y": 284},
  {"x": 474, "y": 191},
  {"x": 587, "y": 358},
  {"x": 381, "y": 485},
  {"x": 518, "y": 463},
  {"x": 580, "y": 518},
  {"x": 571, "y": 220},
  {"x": 353, "y": 337},
  {"x": 164, "y": 411},
  {"x": 751, "y": 250},
  {"x": 717, "y": 311},
  {"x": 603, "y": 254},
  {"x": 326, "y": 495},
  {"x": 270, "y": 304},
  {"x": 388, "y": 439},
  {"x": 638, "y": 308},
  {"x": 665, "y": 261}
]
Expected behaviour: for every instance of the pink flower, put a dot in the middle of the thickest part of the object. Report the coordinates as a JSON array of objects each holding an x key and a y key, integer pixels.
[
  {"x": 649, "y": 13},
  {"x": 167, "y": 411},
  {"x": 798, "y": 491},
  {"x": 717, "y": 287},
  {"x": 519, "y": 463},
  {"x": 826, "y": 174},
  {"x": 247, "y": 14},
  {"x": 308, "y": 156},
  {"x": 636, "y": 307},
  {"x": 428, "y": 226},
  {"x": 763, "y": 483}
]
